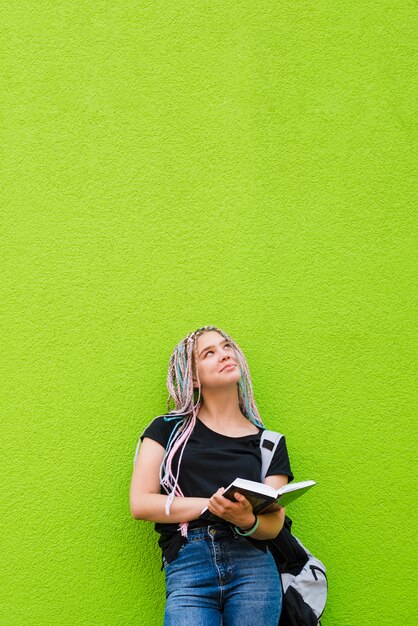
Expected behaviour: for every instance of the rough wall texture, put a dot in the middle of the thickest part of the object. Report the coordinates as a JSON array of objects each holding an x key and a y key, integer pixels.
[{"x": 172, "y": 164}]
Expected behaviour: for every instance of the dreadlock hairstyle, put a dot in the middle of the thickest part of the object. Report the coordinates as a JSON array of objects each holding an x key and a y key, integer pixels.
[{"x": 182, "y": 366}]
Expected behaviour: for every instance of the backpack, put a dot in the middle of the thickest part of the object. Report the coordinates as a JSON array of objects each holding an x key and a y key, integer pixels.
[{"x": 303, "y": 577}]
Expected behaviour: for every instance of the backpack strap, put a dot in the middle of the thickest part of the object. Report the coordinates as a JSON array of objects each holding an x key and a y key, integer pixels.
[
  {"x": 268, "y": 444},
  {"x": 288, "y": 553}
]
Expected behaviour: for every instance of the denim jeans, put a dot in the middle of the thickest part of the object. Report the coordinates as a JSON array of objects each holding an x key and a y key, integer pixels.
[{"x": 220, "y": 579}]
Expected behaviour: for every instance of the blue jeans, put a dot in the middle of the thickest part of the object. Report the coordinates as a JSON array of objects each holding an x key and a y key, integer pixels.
[{"x": 220, "y": 579}]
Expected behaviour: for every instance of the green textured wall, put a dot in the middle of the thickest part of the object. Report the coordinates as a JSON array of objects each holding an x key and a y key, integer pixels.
[{"x": 172, "y": 164}]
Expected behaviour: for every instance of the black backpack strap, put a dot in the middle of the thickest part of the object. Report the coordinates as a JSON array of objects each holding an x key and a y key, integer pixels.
[{"x": 289, "y": 555}]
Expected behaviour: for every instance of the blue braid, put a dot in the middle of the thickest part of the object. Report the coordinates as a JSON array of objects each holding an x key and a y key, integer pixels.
[
  {"x": 167, "y": 418},
  {"x": 179, "y": 378},
  {"x": 170, "y": 419}
]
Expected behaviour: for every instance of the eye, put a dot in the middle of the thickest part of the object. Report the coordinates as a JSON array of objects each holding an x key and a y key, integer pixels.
[{"x": 227, "y": 345}]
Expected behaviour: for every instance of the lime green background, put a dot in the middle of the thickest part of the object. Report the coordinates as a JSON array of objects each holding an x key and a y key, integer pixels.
[{"x": 168, "y": 165}]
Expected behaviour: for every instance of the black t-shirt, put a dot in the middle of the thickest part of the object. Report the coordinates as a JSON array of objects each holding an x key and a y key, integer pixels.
[{"x": 211, "y": 460}]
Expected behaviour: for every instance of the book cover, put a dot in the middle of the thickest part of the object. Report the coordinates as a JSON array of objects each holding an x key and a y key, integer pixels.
[{"x": 263, "y": 498}]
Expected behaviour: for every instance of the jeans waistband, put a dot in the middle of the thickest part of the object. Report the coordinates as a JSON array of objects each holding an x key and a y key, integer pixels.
[{"x": 210, "y": 531}]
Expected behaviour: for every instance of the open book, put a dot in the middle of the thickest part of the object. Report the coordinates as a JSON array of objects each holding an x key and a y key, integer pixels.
[{"x": 263, "y": 498}]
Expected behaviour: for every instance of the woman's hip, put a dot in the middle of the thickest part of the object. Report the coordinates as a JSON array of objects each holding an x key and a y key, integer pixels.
[
  {"x": 216, "y": 557},
  {"x": 221, "y": 574}
]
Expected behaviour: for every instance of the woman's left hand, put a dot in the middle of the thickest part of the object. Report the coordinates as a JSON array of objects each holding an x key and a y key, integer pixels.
[{"x": 239, "y": 513}]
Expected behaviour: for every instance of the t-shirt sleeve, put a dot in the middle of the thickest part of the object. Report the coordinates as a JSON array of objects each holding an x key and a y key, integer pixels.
[
  {"x": 280, "y": 463},
  {"x": 159, "y": 430}
]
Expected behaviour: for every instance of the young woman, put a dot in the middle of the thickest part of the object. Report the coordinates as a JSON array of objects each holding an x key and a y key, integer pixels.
[{"x": 216, "y": 573}]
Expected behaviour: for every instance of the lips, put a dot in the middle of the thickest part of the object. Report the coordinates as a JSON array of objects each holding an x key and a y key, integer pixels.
[{"x": 228, "y": 366}]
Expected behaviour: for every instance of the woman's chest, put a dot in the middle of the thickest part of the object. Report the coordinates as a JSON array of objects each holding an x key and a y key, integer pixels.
[{"x": 208, "y": 465}]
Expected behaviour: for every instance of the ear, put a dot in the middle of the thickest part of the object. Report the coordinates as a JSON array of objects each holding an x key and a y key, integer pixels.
[{"x": 194, "y": 379}]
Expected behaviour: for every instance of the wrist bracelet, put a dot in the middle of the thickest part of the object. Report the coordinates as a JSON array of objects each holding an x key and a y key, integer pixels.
[{"x": 248, "y": 532}]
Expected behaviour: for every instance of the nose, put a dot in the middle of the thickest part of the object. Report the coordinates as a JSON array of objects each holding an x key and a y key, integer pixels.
[{"x": 225, "y": 355}]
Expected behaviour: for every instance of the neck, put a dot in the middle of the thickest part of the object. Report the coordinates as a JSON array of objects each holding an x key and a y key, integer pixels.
[{"x": 221, "y": 406}]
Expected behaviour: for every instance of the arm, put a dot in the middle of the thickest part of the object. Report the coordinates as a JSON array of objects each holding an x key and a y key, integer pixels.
[
  {"x": 241, "y": 514},
  {"x": 146, "y": 502}
]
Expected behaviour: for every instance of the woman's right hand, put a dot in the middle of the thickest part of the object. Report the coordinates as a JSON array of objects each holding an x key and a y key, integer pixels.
[{"x": 239, "y": 513}]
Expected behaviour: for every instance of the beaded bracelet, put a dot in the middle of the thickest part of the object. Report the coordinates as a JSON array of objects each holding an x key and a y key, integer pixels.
[{"x": 249, "y": 532}]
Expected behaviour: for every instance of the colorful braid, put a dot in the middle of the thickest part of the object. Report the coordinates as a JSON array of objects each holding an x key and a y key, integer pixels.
[{"x": 181, "y": 391}]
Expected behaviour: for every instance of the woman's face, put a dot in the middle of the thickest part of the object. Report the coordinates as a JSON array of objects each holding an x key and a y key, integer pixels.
[{"x": 213, "y": 353}]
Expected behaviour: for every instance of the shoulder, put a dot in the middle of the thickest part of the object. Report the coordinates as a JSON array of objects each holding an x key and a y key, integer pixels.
[
  {"x": 161, "y": 428},
  {"x": 270, "y": 437}
]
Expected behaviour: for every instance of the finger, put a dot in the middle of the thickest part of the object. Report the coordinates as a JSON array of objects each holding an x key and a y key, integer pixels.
[
  {"x": 240, "y": 498},
  {"x": 218, "y": 501}
]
